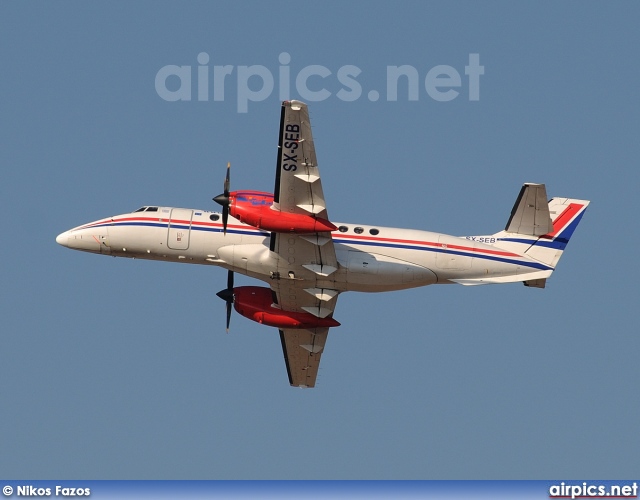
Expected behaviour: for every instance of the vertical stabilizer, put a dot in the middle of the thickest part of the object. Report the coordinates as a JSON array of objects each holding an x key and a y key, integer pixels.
[
  {"x": 530, "y": 213},
  {"x": 567, "y": 214},
  {"x": 523, "y": 234}
]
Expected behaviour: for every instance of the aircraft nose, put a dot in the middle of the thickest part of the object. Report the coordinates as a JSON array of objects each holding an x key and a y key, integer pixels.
[
  {"x": 95, "y": 240},
  {"x": 63, "y": 239}
]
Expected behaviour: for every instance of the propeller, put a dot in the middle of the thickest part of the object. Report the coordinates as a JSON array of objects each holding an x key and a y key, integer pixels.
[
  {"x": 223, "y": 199},
  {"x": 227, "y": 296}
]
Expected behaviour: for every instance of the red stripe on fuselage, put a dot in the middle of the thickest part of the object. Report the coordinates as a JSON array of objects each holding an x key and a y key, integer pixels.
[
  {"x": 164, "y": 220},
  {"x": 355, "y": 238},
  {"x": 432, "y": 244}
]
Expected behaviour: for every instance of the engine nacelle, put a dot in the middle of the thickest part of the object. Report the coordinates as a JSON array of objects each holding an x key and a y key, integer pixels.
[
  {"x": 254, "y": 208},
  {"x": 256, "y": 303}
]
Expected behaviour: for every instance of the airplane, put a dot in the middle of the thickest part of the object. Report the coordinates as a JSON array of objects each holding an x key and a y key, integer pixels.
[{"x": 287, "y": 240}]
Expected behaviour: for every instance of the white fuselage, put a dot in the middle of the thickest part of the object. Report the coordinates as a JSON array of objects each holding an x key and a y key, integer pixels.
[{"x": 372, "y": 259}]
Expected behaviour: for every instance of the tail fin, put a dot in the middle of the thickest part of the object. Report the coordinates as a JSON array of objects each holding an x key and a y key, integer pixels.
[
  {"x": 567, "y": 213},
  {"x": 541, "y": 230}
]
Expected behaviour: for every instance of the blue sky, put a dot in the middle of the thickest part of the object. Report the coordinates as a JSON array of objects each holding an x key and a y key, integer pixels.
[{"x": 114, "y": 368}]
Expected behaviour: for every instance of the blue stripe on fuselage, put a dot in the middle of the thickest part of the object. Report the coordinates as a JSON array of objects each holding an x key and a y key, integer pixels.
[
  {"x": 534, "y": 265},
  {"x": 256, "y": 232}
]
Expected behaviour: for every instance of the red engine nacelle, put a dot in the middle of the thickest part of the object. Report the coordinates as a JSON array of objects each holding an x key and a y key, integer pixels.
[
  {"x": 255, "y": 303},
  {"x": 254, "y": 208}
]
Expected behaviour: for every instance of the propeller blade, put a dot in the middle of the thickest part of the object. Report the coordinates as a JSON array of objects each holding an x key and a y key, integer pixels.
[
  {"x": 225, "y": 218},
  {"x": 227, "y": 296},
  {"x": 223, "y": 199},
  {"x": 227, "y": 180},
  {"x": 230, "y": 280},
  {"x": 228, "y": 315}
]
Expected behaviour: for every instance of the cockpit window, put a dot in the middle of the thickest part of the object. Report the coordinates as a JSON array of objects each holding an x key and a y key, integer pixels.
[
  {"x": 152, "y": 209},
  {"x": 141, "y": 209}
]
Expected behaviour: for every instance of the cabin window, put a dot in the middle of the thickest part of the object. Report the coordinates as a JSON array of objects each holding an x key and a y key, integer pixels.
[
  {"x": 214, "y": 217},
  {"x": 343, "y": 229},
  {"x": 373, "y": 231},
  {"x": 358, "y": 230}
]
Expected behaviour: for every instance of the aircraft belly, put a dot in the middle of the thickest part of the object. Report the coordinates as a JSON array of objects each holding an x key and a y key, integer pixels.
[
  {"x": 376, "y": 272},
  {"x": 488, "y": 262}
]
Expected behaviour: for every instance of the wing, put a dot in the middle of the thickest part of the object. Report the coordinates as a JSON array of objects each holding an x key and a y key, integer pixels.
[
  {"x": 298, "y": 188},
  {"x": 303, "y": 282},
  {"x": 302, "y": 350}
]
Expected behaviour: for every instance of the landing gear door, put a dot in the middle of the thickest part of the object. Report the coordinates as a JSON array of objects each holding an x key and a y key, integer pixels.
[{"x": 179, "y": 229}]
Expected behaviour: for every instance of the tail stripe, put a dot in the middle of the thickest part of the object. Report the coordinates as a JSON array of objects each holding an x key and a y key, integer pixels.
[
  {"x": 548, "y": 247},
  {"x": 563, "y": 219},
  {"x": 563, "y": 227},
  {"x": 561, "y": 240}
]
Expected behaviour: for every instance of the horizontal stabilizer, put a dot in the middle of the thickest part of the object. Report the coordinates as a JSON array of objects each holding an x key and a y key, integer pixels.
[
  {"x": 530, "y": 214},
  {"x": 539, "y": 283}
]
